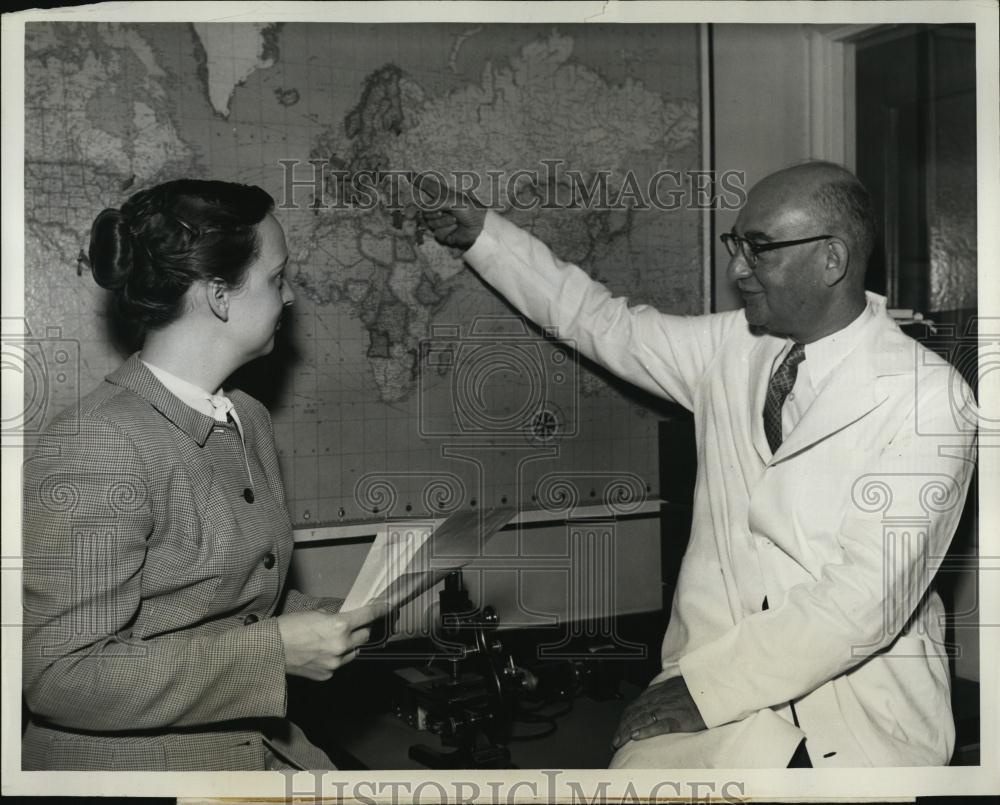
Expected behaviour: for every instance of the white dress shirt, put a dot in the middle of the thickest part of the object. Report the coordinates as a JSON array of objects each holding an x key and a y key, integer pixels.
[{"x": 822, "y": 357}]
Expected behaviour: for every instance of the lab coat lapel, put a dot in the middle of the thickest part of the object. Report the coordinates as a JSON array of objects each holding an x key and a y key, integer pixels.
[{"x": 855, "y": 387}]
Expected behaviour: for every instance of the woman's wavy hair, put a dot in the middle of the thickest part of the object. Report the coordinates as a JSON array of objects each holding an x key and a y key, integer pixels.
[{"x": 167, "y": 237}]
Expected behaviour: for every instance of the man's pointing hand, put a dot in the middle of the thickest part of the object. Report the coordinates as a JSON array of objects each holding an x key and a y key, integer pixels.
[{"x": 455, "y": 219}]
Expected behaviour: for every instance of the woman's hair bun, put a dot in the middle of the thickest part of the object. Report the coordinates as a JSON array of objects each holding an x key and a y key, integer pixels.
[
  {"x": 110, "y": 249},
  {"x": 167, "y": 237}
]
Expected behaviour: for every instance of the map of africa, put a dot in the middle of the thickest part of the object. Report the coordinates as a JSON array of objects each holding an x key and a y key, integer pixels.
[{"x": 402, "y": 386}]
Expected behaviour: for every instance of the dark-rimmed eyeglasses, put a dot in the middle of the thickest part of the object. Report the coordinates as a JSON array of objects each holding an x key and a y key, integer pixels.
[{"x": 750, "y": 250}]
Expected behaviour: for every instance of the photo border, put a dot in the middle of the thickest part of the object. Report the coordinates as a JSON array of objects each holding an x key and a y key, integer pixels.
[{"x": 769, "y": 784}]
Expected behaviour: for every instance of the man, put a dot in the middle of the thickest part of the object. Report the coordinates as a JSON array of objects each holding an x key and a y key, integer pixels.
[{"x": 803, "y": 629}]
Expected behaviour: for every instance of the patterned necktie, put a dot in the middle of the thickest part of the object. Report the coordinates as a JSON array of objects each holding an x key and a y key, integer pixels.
[{"x": 777, "y": 390}]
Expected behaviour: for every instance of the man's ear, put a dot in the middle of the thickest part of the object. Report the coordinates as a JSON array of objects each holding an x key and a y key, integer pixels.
[
  {"x": 837, "y": 259},
  {"x": 217, "y": 295}
]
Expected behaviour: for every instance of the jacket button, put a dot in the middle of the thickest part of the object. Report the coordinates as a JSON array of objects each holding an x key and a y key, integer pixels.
[
  {"x": 269, "y": 561},
  {"x": 248, "y": 495},
  {"x": 251, "y": 618}
]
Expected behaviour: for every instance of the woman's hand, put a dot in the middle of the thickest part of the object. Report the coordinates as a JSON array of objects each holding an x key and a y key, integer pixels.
[{"x": 317, "y": 643}]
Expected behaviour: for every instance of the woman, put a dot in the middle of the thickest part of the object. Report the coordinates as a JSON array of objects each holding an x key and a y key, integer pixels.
[{"x": 158, "y": 630}]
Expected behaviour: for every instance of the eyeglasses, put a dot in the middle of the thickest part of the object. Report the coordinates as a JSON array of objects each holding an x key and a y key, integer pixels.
[{"x": 750, "y": 250}]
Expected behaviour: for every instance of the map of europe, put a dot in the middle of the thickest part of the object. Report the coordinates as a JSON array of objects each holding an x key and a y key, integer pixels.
[{"x": 402, "y": 386}]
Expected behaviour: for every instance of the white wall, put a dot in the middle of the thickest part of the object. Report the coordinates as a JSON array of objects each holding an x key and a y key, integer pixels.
[{"x": 761, "y": 114}]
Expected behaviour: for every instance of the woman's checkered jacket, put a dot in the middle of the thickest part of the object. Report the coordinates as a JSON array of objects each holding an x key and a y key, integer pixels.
[{"x": 150, "y": 582}]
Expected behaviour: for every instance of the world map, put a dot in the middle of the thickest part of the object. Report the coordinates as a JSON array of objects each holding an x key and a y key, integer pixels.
[{"x": 402, "y": 386}]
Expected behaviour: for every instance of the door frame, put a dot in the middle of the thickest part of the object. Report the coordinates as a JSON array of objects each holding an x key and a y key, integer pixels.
[{"x": 831, "y": 95}]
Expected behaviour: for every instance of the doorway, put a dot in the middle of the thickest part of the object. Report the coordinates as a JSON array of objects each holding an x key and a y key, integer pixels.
[{"x": 915, "y": 146}]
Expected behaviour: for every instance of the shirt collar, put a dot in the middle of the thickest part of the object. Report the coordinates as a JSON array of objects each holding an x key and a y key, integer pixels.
[
  {"x": 822, "y": 356},
  {"x": 187, "y": 392}
]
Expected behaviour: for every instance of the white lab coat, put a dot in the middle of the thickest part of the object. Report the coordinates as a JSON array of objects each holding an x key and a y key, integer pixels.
[{"x": 842, "y": 529}]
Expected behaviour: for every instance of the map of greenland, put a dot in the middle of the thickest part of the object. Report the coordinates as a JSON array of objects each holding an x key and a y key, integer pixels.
[{"x": 233, "y": 52}]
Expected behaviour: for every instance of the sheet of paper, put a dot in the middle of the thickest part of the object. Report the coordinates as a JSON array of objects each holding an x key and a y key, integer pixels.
[
  {"x": 408, "y": 558},
  {"x": 391, "y": 553}
]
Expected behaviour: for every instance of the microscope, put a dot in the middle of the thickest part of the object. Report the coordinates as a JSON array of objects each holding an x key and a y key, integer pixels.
[
  {"x": 470, "y": 698},
  {"x": 472, "y": 692}
]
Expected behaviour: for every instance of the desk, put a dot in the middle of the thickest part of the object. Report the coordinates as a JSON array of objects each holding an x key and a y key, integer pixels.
[
  {"x": 350, "y": 716},
  {"x": 582, "y": 739}
]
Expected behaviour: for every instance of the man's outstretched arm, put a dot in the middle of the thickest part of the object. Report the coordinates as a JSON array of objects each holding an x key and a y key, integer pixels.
[{"x": 663, "y": 354}]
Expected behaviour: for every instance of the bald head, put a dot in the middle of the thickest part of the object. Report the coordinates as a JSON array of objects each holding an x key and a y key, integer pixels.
[
  {"x": 833, "y": 199},
  {"x": 811, "y": 228}
]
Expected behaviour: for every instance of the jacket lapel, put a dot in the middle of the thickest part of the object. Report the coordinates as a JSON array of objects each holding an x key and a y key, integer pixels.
[
  {"x": 855, "y": 387},
  {"x": 134, "y": 376},
  {"x": 194, "y": 476}
]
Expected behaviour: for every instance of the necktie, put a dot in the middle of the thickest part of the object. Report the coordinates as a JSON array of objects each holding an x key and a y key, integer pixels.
[
  {"x": 222, "y": 409},
  {"x": 777, "y": 390}
]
